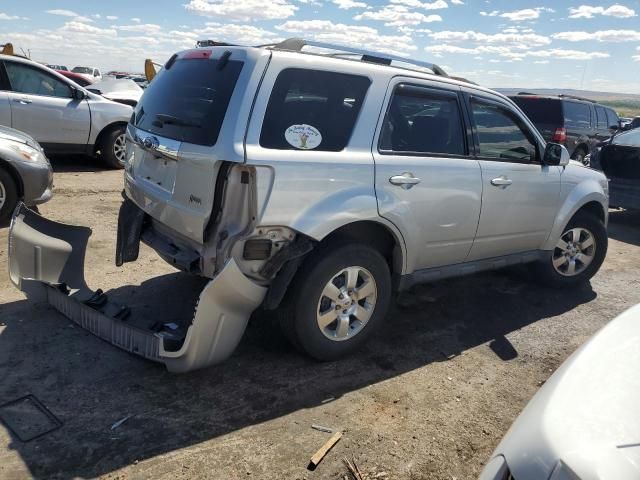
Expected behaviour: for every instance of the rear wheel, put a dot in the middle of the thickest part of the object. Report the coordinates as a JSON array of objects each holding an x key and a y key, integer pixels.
[
  {"x": 337, "y": 300},
  {"x": 8, "y": 196},
  {"x": 112, "y": 148},
  {"x": 578, "y": 254},
  {"x": 579, "y": 155}
]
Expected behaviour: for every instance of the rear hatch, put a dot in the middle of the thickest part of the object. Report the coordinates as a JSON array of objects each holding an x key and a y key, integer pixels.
[
  {"x": 191, "y": 119},
  {"x": 545, "y": 113}
]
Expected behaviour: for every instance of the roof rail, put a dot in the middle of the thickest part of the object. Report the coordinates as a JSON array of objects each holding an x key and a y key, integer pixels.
[
  {"x": 297, "y": 44},
  {"x": 575, "y": 97},
  {"x": 527, "y": 93}
]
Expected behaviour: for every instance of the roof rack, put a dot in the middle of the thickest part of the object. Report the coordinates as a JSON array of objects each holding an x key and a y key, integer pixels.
[
  {"x": 297, "y": 44},
  {"x": 575, "y": 97}
]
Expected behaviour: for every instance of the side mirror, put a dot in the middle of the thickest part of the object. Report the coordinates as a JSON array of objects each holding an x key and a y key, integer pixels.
[
  {"x": 614, "y": 127},
  {"x": 556, "y": 154},
  {"x": 78, "y": 94}
]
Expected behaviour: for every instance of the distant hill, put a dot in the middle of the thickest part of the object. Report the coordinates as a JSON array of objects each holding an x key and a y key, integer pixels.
[{"x": 626, "y": 104}]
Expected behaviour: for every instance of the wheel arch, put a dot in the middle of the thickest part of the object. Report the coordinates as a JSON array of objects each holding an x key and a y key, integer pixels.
[
  {"x": 381, "y": 236},
  {"x": 587, "y": 197},
  {"x": 385, "y": 238},
  {"x": 105, "y": 130}
]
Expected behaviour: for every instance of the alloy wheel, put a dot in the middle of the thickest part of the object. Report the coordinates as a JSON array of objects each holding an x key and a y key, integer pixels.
[
  {"x": 346, "y": 303},
  {"x": 574, "y": 252},
  {"x": 119, "y": 147},
  {"x": 3, "y": 195}
]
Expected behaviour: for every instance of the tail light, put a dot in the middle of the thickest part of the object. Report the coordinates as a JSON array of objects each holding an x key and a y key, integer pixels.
[{"x": 560, "y": 135}]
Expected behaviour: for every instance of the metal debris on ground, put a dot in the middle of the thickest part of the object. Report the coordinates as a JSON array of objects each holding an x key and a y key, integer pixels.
[
  {"x": 322, "y": 429},
  {"x": 320, "y": 454},
  {"x": 120, "y": 422}
]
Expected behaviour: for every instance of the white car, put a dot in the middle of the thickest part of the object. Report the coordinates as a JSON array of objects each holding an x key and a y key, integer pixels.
[
  {"x": 90, "y": 73},
  {"x": 62, "y": 116},
  {"x": 584, "y": 422}
]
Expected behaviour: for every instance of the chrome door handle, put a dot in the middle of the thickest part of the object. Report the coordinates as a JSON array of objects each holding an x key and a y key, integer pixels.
[
  {"x": 23, "y": 101},
  {"x": 501, "y": 182},
  {"x": 406, "y": 180}
]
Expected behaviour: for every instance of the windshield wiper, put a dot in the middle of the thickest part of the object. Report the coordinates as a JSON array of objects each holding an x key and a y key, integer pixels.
[{"x": 164, "y": 119}]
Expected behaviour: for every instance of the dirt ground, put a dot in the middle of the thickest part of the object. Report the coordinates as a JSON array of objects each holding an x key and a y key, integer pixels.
[{"x": 428, "y": 398}]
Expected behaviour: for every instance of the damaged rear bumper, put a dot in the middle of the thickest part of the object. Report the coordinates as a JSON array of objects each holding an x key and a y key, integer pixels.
[{"x": 46, "y": 261}]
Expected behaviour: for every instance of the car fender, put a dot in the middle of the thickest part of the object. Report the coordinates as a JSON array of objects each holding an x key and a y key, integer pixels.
[
  {"x": 105, "y": 113},
  {"x": 586, "y": 191},
  {"x": 340, "y": 208}
]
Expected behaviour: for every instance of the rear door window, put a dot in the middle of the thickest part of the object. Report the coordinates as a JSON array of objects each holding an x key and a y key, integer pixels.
[
  {"x": 577, "y": 115},
  {"x": 423, "y": 120},
  {"x": 501, "y": 134},
  {"x": 312, "y": 110},
  {"x": 189, "y": 100},
  {"x": 602, "y": 118}
]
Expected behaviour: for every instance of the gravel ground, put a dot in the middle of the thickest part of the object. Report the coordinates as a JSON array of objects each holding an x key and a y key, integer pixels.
[{"x": 428, "y": 398}]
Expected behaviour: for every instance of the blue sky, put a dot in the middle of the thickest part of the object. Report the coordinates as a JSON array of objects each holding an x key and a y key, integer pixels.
[{"x": 497, "y": 43}]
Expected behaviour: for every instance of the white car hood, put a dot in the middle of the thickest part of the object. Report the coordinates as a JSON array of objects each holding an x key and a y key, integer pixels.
[
  {"x": 587, "y": 415},
  {"x": 117, "y": 89}
]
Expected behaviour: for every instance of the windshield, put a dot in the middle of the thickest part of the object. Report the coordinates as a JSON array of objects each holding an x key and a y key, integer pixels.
[
  {"x": 188, "y": 101},
  {"x": 82, "y": 70}
]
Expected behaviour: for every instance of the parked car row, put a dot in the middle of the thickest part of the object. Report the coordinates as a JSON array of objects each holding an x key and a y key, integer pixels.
[{"x": 62, "y": 116}]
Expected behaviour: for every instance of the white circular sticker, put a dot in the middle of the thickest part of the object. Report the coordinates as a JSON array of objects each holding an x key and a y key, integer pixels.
[{"x": 304, "y": 137}]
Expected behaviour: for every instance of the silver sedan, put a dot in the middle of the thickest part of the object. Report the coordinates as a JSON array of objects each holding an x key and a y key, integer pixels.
[{"x": 25, "y": 172}]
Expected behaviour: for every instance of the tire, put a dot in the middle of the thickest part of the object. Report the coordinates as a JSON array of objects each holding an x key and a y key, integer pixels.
[
  {"x": 111, "y": 148},
  {"x": 8, "y": 196},
  {"x": 592, "y": 243},
  {"x": 356, "y": 318},
  {"x": 579, "y": 155}
]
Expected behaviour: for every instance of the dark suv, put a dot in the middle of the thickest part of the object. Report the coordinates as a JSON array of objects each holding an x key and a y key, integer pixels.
[{"x": 577, "y": 123}]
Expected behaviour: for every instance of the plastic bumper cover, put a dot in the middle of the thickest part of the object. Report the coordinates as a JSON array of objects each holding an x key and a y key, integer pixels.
[{"x": 46, "y": 261}]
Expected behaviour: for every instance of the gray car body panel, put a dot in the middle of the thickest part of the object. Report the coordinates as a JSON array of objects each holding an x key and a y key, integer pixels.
[
  {"x": 46, "y": 261},
  {"x": 583, "y": 422},
  {"x": 36, "y": 177},
  {"x": 82, "y": 120}
]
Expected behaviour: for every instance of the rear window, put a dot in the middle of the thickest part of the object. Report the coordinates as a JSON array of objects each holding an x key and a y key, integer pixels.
[
  {"x": 541, "y": 111},
  {"x": 189, "y": 100},
  {"x": 577, "y": 115},
  {"x": 312, "y": 109}
]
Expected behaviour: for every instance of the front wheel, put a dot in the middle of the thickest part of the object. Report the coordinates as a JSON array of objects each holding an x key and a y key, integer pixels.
[
  {"x": 578, "y": 254},
  {"x": 112, "y": 148},
  {"x": 337, "y": 300}
]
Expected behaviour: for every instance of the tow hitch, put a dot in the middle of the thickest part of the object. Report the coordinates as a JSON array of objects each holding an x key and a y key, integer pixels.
[{"x": 46, "y": 261}]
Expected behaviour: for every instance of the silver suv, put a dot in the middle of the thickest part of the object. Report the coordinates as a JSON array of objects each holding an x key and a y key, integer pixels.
[
  {"x": 317, "y": 180},
  {"x": 60, "y": 114}
]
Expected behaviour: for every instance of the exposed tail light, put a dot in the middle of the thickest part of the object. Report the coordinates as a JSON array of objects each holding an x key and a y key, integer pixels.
[{"x": 560, "y": 135}]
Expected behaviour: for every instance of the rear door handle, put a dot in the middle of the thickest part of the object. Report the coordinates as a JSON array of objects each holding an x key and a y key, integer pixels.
[
  {"x": 502, "y": 181},
  {"x": 23, "y": 101},
  {"x": 406, "y": 180}
]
